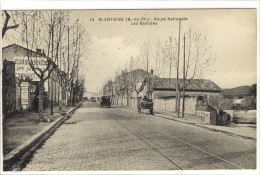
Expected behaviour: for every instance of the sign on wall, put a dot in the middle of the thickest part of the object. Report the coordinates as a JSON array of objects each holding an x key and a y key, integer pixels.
[{"x": 23, "y": 69}]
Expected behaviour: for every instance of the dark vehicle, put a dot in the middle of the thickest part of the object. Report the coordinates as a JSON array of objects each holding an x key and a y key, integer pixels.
[
  {"x": 93, "y": 99},
  {"x": 105, "y": 101},
  {"x": 145, "y": 104}
]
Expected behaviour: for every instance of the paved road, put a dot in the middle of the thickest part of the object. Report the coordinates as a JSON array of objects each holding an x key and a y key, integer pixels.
[{"x": 120, "y": 139}]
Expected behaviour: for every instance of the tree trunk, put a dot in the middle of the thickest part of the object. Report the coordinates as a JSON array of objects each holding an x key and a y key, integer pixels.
[
  {"x": 41, "y": 84},
  {"x": 67, "y": 97},
  {"x": 60, "y": 98},
  {"x": 178, "y": 103},
  {"x": 75, "y": 97},
  {"x": 71, "y": 97},
  {"x": 183, "y": 103},
  {"x": 137, "y": 101}
]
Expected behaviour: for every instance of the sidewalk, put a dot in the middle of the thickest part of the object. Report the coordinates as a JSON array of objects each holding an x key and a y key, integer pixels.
[
  {"x": 247, "y": 131},
  {"x": 243, "y": 130},
  {"x": 20, "y": 127}
]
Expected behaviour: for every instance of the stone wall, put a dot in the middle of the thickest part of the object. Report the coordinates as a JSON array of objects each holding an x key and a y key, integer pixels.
[
  {"x": 168, "y": 104},
  {"x": 18, "y": 97},
  {"x": 244, "y": 118},
  {"x": 164, "y": 104},
  {"x": 8, "y": 88},
  {"x": 190, "y": 105}
]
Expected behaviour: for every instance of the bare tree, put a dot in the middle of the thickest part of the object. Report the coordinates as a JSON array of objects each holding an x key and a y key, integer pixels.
[
  {"x": 160, "y": 59},
  {"x": 169, "y": 51},
  {"x": 6, "y": 26},
  {"x": 145, "y": 51},
  {"x": 81, "y": 88},
  {"x": 60, "y": 40},
  {"x": 39, "y": 32},
  {"x": 198, "y": 57},
  {"x": 71, "y": 54}
]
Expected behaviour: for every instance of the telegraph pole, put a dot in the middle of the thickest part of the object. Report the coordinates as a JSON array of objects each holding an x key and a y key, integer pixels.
[
  {"x": 177, "y": 84},
  {"x": 68, "y": 60},
  {"x": 52, "y": 33},
  {"x": 77, "y": 86},
  {"x": 183, "y": 98},
  {"x": 60, "y": 83}
]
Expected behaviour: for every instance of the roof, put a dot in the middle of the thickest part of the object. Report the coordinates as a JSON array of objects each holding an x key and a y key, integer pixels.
[
  {"x": 16, "y": 46},
  {"x": 137, "y": 72},
  {"x": 140, "y": 71},
  {"x": 195, "y": 85}
]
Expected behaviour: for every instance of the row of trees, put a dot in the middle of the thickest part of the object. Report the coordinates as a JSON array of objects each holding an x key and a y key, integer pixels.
[
  {"x": 64, "y": 40},
  {"x": 185, "y": 55}
]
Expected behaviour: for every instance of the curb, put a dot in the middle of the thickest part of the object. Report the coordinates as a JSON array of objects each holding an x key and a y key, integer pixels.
[
  {"x": 208, "y": 128},
  {"x": 200, "y": 126},
  {"x": 11, "y": 158},
  {"x": 226, "y": 132}
]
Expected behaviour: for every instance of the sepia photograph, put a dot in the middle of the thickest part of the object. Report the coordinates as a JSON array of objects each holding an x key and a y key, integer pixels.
[{"x": 129, "y": 89}]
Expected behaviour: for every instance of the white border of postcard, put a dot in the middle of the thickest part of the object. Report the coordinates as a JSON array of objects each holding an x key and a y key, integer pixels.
[{"x": 140, "y": 4}]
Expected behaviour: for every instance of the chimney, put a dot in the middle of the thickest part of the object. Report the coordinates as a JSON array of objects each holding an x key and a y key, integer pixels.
[{"x": 151, "y": 71}]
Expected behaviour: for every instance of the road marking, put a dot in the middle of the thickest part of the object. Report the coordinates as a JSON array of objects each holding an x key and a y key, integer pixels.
[
  {"x": 213, "y": 155},
  {"x": 146, "y": 143},
  {"x": 195, "y": 147}
]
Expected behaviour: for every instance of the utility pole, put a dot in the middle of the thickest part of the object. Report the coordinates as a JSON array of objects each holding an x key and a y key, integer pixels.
[
  {"x": 177, "y": 83},
  {"x": 68, "y": 66},
  {"x": 77, "y": 85},
  {"x": 170, "y": 54},
  {"x": 183, "y": 98},
  {"x": 60, "y": 83},
  {"x": 52, "y": 33}
]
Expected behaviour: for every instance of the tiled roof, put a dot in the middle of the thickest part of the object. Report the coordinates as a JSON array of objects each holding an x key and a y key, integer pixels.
[
  {"x": 140, "y": 72},
  {"x": 24, "y": 50},
  {"x": 195, "y": 84}
]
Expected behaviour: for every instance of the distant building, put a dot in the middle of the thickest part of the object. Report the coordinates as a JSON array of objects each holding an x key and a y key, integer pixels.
[
  {"x": 128, "y": 86},
  {"x": 198, "y": 95}
]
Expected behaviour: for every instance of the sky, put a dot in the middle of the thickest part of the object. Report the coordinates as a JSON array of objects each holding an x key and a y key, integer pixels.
[{"x": 230, "y": 32}]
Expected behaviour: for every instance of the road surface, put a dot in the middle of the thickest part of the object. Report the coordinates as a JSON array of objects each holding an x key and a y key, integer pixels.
[{"x": 116, "y": 138}]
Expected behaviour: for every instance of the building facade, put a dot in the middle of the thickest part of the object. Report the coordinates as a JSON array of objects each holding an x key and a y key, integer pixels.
[
  {"x": 26, "y": 81},
  {"x": 199, "y": 95}
]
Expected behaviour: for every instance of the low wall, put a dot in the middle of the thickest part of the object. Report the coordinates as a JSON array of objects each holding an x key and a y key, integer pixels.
[
  {"x": 164, "y": 104},
  {"x": 169, "y": 104},
  {"x": 244, "y": 118}
]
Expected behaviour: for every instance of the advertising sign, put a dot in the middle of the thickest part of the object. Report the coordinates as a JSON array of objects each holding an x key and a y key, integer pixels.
[{"x": 23, "y": 69}]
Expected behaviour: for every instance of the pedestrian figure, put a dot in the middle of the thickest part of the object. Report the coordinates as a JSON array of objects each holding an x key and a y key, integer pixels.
[{"x": 36, "y": 103}]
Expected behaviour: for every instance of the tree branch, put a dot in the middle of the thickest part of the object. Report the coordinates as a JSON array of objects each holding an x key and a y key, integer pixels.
[{"x": 5, "y": 26}]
